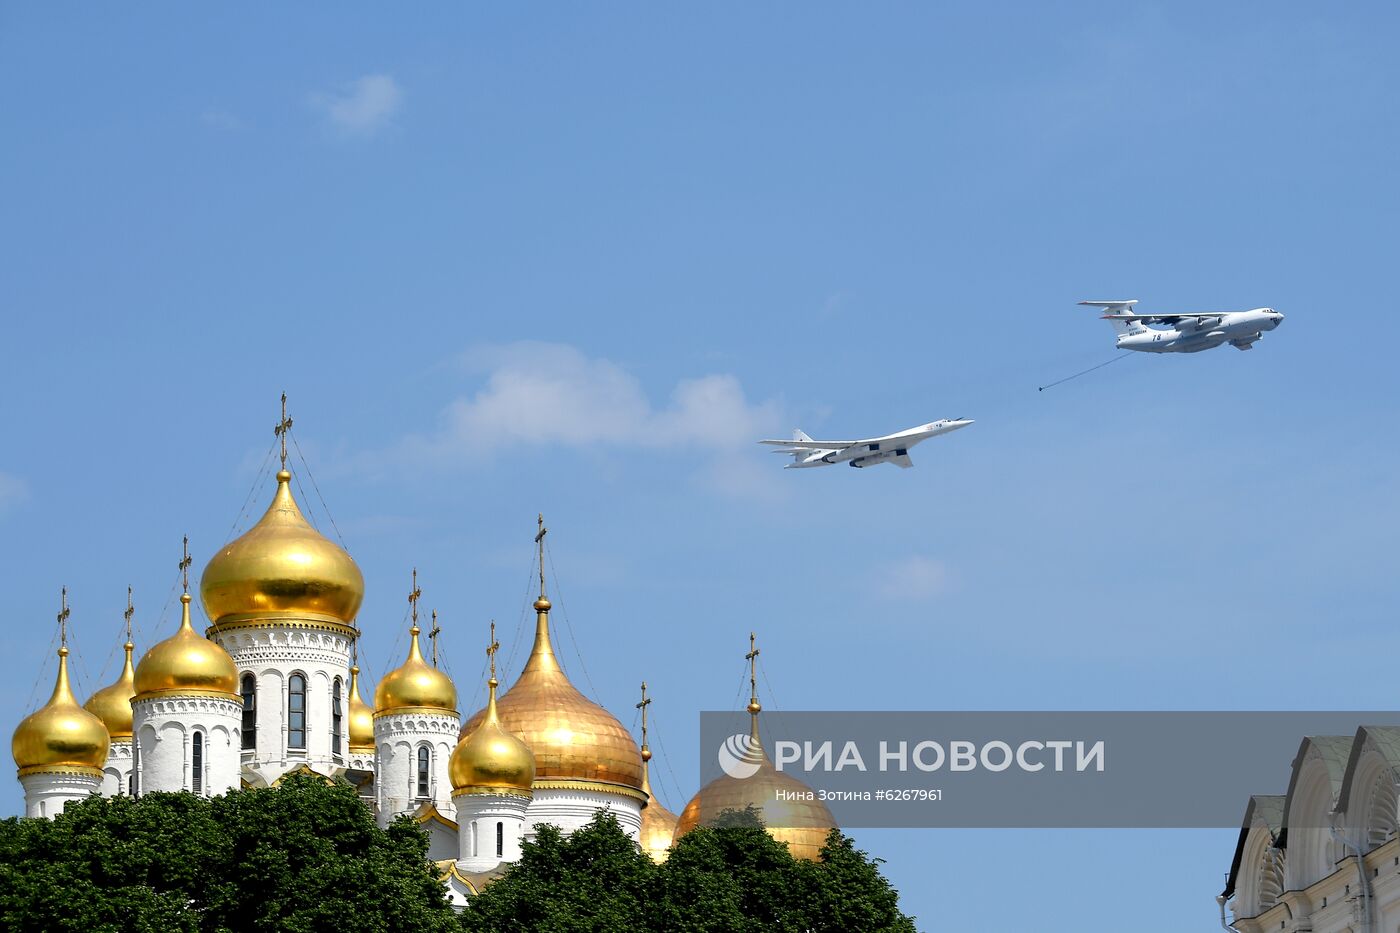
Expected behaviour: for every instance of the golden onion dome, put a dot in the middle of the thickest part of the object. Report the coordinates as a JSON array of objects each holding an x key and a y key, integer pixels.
[
  {"x": 112, "y": 704},
  {"x": 61, "y": 735},
  {"x": 414, "y": 685},
  {"x": 779, "y": 799},
  {"x": 658, "y": 823},
  {"x": 490, "y": 760},
  {"x": 282, "y": 566},
  {"x": 186, "y": 663},
  {"x": 573, "y": 739},
  {"x": 361, "y": 717}
]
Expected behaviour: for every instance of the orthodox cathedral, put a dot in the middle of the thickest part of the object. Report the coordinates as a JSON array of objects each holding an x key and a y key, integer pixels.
[{"x": 272, "y": 687}]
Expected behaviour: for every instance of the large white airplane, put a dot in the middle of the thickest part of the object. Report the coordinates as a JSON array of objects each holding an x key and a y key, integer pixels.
[
  {"x": 892, "y": 448},
  {"x": 1186, "y": 333}
]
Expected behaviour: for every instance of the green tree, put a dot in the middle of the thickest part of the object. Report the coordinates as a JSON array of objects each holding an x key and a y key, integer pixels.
[
  {"x": 730, "y": 878},
  {"x": 304, "y": 856},
  {"x": 594, "y": 880}
]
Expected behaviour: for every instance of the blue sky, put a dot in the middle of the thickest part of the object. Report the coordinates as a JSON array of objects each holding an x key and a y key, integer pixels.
[{"x": 577, "y": 258}]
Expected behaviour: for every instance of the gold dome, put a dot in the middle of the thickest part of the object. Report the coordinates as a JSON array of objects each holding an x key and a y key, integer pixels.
[
  {"x": 573, "y": 739},
  {"x": 61, "y": 735},
  {"x": 112, "y": 704},
  {"x": 186, "y": 663},
  {"x": 802, "y": 824},
  {"x": 361, "y": 717},
  {"x": 490, "y": 760},
  {"x": 415, "y": 684},
  {"x": 282, "y": 566}
]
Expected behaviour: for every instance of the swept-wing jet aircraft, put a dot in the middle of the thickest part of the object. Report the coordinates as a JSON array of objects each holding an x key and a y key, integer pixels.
[
  {"x": 892, "y": 448},
  {"x": 1185, "y": 333}
]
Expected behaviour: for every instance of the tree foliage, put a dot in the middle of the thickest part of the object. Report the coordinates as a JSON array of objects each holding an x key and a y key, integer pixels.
[
  {"x": 304, "y": 856},
  {"x": 730, "y": 878}
]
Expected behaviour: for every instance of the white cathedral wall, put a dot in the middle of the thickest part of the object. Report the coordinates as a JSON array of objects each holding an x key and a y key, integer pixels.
[
  {"x": 47, "y": 792},
  {"x": 272, "y": 651},
  {"x": 398, "y": 737},
  {"x": 477, "y": 818},
  {"x": 116, "y": 775},
  {"x": 572, "y": 809},
  {"x": 165, "y": 727}
]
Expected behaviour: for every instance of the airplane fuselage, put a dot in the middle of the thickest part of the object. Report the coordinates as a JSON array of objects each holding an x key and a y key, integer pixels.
[
  {"x": 1203, "y": 334},
  {"x": 881, "y": 449}
]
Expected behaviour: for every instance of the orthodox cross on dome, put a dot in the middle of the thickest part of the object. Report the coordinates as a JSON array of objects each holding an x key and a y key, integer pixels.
[
  {"x": 433, "y": 634},
  {"x": 413, "y": 597},
  {"x": 752, "y": 658},
  {"x": 646, "y": 701},
  {"x": 185, "y": 562},
  {"x": 130, "y": 611},
  {"x": 539, "y": 540},
  {"x": 282, "y": 428},
  {"x": 491, "y": 650},
  {"x": 63, "y": 618}
]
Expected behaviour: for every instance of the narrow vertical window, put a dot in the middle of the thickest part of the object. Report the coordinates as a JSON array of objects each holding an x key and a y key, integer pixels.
[
  {"x": 296, "y": 711},
  {"x": 424, "y": 763},
  {"x": 336, "y": 717},
  {"x": 500, "y": 840},
  {"x": 250, "y": 711},
  {"x": 197, "y": 763},
  {"x": 131, "y": 784}
]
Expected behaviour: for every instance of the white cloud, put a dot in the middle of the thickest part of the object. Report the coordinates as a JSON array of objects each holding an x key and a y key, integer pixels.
[
  {"x": 13, "y": 490},
  {"x": 914, "y": 578},
  {"x": 363, "y": 107},
  {"x": 546, "y": 394}
]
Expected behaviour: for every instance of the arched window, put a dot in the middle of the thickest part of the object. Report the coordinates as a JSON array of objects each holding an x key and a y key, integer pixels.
[
  {"x": 425, "y": 760},
  {"x": 250, "y": 711},
  {"x": 197, "y": 763},
  {"x": 296, "y": 711},
  {"x": 500, "y": 840},
  {"x": 336, "y": 717}
]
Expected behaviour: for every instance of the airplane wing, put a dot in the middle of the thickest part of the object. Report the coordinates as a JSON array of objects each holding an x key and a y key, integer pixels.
[
  {"x": 810, "y": 445},
  {"x": 1164, "y": 318}
]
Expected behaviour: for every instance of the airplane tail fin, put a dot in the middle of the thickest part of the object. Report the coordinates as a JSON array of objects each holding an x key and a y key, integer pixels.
[
  {"x": 1110, "y": 308},
  {"x": 800, "y": 435}
]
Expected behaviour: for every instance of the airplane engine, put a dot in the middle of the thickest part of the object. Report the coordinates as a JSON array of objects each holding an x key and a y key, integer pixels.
[{"x": 1206, "y": 323}]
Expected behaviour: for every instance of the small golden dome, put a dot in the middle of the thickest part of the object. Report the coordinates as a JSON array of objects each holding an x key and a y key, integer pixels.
[
  {"x": 61, "y": 735},
  {"x": 186, "y": 663},
  {"x": 361, "y": 717},
  {"x": 658, "y": 823},
  {"x": 788, "y": 817},
  {"x": 490, "y": 760},
  {"x": 415, "y": 684},
  {"x": 282, "y": 566},
  {"x": 112, "y": 704},
  {"x": 572, "y": 737}
]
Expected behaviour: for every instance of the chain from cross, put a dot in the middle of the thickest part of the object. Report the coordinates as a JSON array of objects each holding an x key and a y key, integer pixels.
[
  {"x": 63, "y": 618},
  {"x": 491, "y": 650},
  {"x": 130, "y": 611},
  {"x": 539, "y": 540},
  {"x": 185, "y": 562},
  {"x": 433, "y": 636},
  {"x": 282, "y": 428},
  {"x": 413, "y": 597}
]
